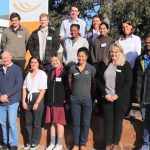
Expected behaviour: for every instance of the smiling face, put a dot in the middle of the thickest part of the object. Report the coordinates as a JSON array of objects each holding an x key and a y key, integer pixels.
[
  {"x": 82, "y": 58},
  {"x": 74, "y": 31},
  {"x": 103, "y": 30},
  {"x": 74, "y": 13},
  {"x": 6, "y": 58},
  {"x": 115, "y": 54},
  {"x": 127, "y": 29},
  {"x": 34, "y": 64},
  {"x": 44, "y": 21},
  {"x": 96, "y": 22},
  {"x": 15, "y": 22},
  {"x": 55, "y": 61}
]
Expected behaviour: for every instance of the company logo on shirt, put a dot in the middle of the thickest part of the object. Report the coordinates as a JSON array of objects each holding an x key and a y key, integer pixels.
[{"x": 86, "y": 72}]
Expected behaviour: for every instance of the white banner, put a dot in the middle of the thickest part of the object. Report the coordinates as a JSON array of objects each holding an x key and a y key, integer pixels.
[{"x": 29, "y": 10}]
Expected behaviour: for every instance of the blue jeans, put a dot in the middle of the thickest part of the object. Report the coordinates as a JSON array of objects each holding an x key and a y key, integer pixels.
[
  {"x": 81, "y": 113},
  {"x": 9, "y": 113},
  {"x": 145, "y": 111}
]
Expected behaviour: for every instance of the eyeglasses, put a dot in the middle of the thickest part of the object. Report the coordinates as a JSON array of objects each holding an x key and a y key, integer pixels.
[{"x": 146, "y": 43}]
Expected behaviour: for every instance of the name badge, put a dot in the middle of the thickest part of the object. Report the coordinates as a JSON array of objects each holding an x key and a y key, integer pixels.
[
  {"x": 49, "y": 38},
  {"x": 103, "y": 45},
  {"x": 117, "y": 70},
  {"x": 76, "y": 74},
  {"x": 58, "y": 79},
  {"x": 19, "y": 36}
]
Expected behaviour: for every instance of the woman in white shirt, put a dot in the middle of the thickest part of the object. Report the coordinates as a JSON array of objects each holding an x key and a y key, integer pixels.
[
  {"x": 34, "y": 87},
  {"x": 130, "y": 43},
  {"x": 132, "y": 48}
]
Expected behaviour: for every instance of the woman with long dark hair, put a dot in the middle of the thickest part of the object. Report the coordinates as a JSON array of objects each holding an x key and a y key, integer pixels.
[
  {"x": 81, "y": 76},
  {"x": 34, "y": 87},
  {"x": 131, "y": 43}
]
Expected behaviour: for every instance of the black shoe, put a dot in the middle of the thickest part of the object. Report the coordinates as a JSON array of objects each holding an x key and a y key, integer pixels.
[
  {"x": 34, "y": 146},
  {"x": 13, "y": 148},
  {"x": 26, "y": 146},
  {"x": 4, "y": 147}
]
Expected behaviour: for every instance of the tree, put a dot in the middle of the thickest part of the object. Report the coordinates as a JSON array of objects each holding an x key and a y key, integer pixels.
[
  {"x": 59, "y": 9},
  {"x": 135, "y": 10},
  {"x": 114, "y": 11}
]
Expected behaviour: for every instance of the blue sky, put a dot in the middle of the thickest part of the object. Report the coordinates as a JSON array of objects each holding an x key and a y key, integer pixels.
[
  {"x": 91, "y": 13},
  {"x": 4, "y": 7}
]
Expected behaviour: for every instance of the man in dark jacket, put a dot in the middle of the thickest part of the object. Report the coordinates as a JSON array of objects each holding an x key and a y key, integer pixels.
[
  {"x": 44, "y": 41},
  {"x": 142, "y": 89},
  {"x": 10, "y": 95}
]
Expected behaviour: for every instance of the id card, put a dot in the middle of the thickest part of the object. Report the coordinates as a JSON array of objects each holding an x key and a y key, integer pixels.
[
  {"x": 49, "y": 38},
  {"x": 103, "y": 45},
  {"x": 58, "y": 79}
]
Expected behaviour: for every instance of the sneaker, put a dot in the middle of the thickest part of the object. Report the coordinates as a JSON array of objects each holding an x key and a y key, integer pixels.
[
  {"x": 58, "y": 147},
  {"x": 51, "y": 146},
  {"x": 34, "y": 146},
  {"x": 4, "y": 147},
  {"x": 26, "y": 146},
  {"x": 13, "y": 148}
]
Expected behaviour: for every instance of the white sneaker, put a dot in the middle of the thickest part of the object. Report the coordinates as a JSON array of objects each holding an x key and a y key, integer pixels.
[
  {"x": 50, "y": 147},
  {"x": 58, "y": 147}
]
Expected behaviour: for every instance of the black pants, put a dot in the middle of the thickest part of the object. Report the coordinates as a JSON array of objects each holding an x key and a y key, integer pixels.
[
  {"x": 113, "y": 117},
  {"x": 33, "y": 123},
  {"x": 20, "y": 63}
]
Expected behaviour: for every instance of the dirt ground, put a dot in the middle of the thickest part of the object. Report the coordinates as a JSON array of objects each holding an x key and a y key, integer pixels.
[{"x": 131, "y": 134}]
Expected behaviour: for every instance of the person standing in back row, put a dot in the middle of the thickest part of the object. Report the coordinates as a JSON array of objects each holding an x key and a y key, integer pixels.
[
  {"x": 65, "y": 26},
  {"x": 14, "y": 39},
  {"x": 44, "y": 41},
  {"x": 131, "y": 44}
]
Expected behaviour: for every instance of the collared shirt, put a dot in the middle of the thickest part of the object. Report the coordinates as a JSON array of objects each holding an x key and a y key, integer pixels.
[
  {"x": 95, "y": 34},
  {"x": 132, "y": 48},
  {"x": 5, "y": 69},
  {"x": 65, "y": 27},
  {"x": 42, "y": 34},
  {"x": 81, "y": 85}
]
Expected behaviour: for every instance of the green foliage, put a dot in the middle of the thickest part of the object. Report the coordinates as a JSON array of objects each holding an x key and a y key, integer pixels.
[{"x": 137, "y": 11}]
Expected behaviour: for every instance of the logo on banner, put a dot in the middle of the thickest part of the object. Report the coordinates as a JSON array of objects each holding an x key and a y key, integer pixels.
[{"x": 26, "y": 6}]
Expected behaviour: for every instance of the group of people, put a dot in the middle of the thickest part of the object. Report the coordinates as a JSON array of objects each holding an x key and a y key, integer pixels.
[{"x": 71, "y": 69}]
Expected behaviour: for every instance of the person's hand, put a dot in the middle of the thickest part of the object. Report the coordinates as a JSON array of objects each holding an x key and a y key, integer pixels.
[
  {"x": 4, "y": 98},
  {"x": 35, "y": 106},
  {"x": 108, "y": 98},
  {"x": 67, "y": 106},
  {"x": 114, "y": 97},
  {"x": 24, "y": 105}
]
